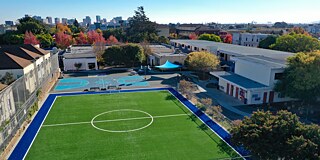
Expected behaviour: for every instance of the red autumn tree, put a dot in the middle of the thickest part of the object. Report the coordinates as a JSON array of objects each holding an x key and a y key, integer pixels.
[
  {"x": 228, "y": 38},
  {"x": 92, "y": 36},
  {"x": 193, "y": 36},
  {"x": 112, "y": 40},
  {"x": 99, "y": 46},
  {"x": 63, "y": 40},
  {"x": 29, "y": 38},
  {"x": 81, "y": 39}
]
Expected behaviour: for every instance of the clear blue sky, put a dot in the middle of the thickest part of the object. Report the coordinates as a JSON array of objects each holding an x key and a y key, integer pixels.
[{"x": 166, "y": 11}]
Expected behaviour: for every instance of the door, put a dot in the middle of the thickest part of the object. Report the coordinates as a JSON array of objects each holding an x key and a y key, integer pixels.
[
  {"x": 237, "y": 92},
  {"x": 228, "y": 85},
  {"x": 231, "y": 91},
  {"x": 271, "y": 96},
  {"x": 265, "y": 97}
]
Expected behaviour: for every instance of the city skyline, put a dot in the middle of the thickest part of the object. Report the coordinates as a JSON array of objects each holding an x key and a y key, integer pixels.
[{"x": 180, "y": 11}]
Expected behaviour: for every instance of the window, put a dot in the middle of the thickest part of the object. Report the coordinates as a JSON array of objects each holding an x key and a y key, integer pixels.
[
  {"x": 195, "y": 48},
  {"x": 256, "y": 97},
  {"x": 246, "y": 39},
  {"x": 9, "y": 104},
  {"x": 278, "y": 76},
  {"x": 188, "y": 47},
  {"x": 257, "y": 40}
]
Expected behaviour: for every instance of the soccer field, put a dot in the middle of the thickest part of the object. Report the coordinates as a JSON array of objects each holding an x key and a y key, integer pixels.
[{"x": 140, "y": 125}]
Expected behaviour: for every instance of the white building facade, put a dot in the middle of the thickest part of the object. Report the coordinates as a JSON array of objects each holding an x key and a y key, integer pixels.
[
  {"x": 251, "y": 72},
  {"x": 82, "y": 55},
  {"x": 248, "y": 39}
]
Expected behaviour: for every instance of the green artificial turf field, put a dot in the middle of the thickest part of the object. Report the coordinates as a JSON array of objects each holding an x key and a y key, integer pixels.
[{"x": 141, "y": 125}]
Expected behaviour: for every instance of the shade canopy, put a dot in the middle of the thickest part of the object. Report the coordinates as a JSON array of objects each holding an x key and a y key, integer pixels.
[{"x": 168, "y": 65}]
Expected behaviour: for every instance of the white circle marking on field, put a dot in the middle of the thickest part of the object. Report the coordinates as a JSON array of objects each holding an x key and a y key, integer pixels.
[{"x": 121, "y": 131}]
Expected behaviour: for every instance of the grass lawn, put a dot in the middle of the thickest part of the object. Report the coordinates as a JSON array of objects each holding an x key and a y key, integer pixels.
[{"x": 142, "y": 125}]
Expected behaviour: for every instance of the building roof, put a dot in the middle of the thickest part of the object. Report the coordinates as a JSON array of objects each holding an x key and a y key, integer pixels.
[
  {"x": 19, "y": 56},
  {"x": 161, "y": 50},
  {"x": 2, "y": 86},
  {"x": 242, "y": 81},
  {"x": 79, "y": 52},
  {"x": 237, "y": 50},
  {"x": 261, "y": 60}
]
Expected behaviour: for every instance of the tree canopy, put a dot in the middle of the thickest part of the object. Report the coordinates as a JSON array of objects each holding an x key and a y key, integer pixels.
[
  {"x": 31, "y": 25},
  {"x": 296, "y": 43},
  {"x": 141, "y": 28},
  {"x": 202, "y": 61},
  {"x": 129, "y": 55},
  {"x": 280, "y": 135},
  {"x": 267, "y": 42},
  {"x": 301, "y": 79},
  {"x": 116, "y": 32},
  {"x": 210, "y": 37}
]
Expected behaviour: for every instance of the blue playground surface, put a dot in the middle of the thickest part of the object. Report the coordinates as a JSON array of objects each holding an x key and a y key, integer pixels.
[{"x": 99, "y": 81}]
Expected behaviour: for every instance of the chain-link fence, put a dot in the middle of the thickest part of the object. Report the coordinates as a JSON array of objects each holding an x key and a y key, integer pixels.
[{"x": 17, "y": 99}]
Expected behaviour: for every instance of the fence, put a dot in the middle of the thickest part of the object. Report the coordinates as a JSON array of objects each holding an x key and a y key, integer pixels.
[{"x": 17, "y": 98}]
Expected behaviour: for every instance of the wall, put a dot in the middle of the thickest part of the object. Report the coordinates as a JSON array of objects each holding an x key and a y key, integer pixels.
[
  {"x": 272, "y": 76},
  {"x": 254, "y": 71},
  {"x": 7, "y": 106},
  {"x": 69, "y": 63}
]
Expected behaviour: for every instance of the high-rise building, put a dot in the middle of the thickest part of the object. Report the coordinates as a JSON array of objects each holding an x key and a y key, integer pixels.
[
  {"x": 49, "y": 20},
  {"x": 9, "y": 23},
  {"x": 70, "y": 21},
  {"x": 64, "y": 20},
  {"x": 56, "y": 20},
  {"x": 98, "y": 19},
  {"x": 37, "y": 18},
  {"x": 87, "y": 20},
  {"x": 104, "y": 21}
]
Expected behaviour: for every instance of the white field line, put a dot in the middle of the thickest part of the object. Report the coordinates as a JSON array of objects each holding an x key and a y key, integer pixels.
[{"x": 114, "y": 120}]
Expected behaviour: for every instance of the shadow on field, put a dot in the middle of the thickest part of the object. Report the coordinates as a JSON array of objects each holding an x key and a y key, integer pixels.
[{"x": 223, "y": 147}]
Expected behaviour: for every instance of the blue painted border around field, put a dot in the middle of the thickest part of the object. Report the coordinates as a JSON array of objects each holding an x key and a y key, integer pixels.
[{"x": 28, "y": 137}]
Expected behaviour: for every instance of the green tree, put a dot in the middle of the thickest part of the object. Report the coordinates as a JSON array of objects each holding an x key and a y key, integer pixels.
[
  {"x": 117, "y": 32},
  {"x": 296, "y": 43},
  {"x": 32, "y": 25},
  {"x": 267, "y": 42},
  {"x": 202, "y": 61},
  {"x": 7, "y": 78},
  {"x": 46, "y": 40},
  {"x": 301, "y": 79},
  {"x": 128, "y": 55},
  {"x": 12, "y": 38},
  {"x": 140, "y": 27},
  {"x": 210, "y": 37},
  {"x": 163, "y": 39},
  {"x": 133, "y": 54},
  {"x": 280, "y": 135}
]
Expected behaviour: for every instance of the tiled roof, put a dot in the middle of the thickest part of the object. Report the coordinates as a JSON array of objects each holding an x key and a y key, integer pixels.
[
  {"x": 2, "y": 86},
  {"x": 19, "y": 56}
]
